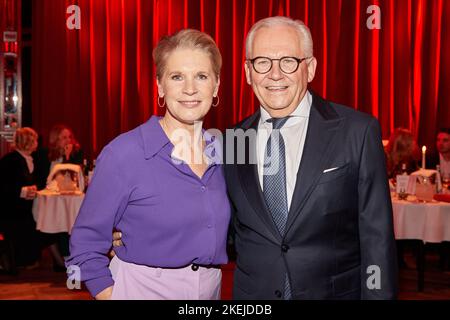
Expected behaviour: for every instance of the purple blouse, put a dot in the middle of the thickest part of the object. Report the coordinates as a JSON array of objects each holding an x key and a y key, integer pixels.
[{"x": 168, "y": 216}]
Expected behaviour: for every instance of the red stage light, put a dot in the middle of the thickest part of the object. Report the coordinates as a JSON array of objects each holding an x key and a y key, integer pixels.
[{"x": 10, "y": 47}]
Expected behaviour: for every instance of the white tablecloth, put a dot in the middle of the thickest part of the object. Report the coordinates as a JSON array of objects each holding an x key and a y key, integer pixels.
[
  {"x": 429, "y": 222},
  {"x": 54, "y": 212}
]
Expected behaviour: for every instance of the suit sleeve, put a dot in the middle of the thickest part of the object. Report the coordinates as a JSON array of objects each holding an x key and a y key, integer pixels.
[
  {"x": 10, "y": 185},
  {"x": 91, "y": 237},
  {"x": 378, "y": 251},
  {"x": 41, "y": 168},
  {"x": 226, "y": 168},
  {"x": 231, "y": 226}
]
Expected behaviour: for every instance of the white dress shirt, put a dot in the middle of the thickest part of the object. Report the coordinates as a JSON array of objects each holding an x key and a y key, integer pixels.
[
  {"x": 445, "y": 166},
  {"x": 294, "y": 135}
]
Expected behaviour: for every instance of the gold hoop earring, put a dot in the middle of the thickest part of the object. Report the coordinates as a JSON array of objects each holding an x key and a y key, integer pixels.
[
  {"x": 217, "y": 103},
  {"x": 163, "y": 104}
]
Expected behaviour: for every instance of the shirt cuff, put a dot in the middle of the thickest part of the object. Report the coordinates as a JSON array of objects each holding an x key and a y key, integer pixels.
[{"x": 95, "y": 286}]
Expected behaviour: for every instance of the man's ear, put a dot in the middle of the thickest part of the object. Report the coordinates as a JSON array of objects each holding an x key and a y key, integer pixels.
[
  {"x": 247, "y": 73},
  {"x": 312, "y": 65},
  {"x": 160, "y": 89}
]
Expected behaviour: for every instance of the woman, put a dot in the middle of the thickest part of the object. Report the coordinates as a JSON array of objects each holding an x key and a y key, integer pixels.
[
  {"x": 62, "y": 148},
  {"x": 19, "y": 184},
  {"x": 169, "y": 203},
  {"x": 401, "y": 152},
  {"x": 18, "y": 189}
]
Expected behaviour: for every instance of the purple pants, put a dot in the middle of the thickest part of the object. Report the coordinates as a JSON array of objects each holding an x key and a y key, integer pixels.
[{"x": 138, "y": 282}]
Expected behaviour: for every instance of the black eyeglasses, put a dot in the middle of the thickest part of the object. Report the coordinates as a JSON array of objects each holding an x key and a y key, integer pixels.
[{"x": 287, "y": 64}]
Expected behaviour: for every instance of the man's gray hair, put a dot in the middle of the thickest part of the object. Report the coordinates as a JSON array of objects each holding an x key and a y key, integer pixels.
[{"x": 302, "y": 30}]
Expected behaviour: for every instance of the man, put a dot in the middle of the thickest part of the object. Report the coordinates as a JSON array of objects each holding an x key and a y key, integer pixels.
[
  {"x": 442, "y": 158},
  {"x": 319, "y": 227}
]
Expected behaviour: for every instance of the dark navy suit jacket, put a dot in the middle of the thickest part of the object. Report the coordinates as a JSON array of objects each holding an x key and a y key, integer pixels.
[{"x": 339, "y": 240}]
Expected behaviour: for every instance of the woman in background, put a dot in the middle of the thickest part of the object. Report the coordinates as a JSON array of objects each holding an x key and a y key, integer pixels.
[
  {"x": 62, "y": 148},
  {"x": 402, "y": 151},
  {"x": 17, "y": 190},
  {"x": 18, "y": 186}
]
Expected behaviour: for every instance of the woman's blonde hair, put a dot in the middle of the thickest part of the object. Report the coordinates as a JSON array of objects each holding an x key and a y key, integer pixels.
[
  {"x": 24, "y": 138},
  {"x": 186, "y": 39}
]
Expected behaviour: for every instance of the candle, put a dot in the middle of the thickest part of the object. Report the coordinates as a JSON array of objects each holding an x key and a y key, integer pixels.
[{"x": 424, "y": 150}]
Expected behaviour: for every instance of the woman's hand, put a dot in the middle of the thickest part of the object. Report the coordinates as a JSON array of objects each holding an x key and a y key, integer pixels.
[
  {"x": 68, "y": 150},
  {"x": 30, "y": 192},
  {"x": 117, "y": 239},
  {"x": 105, "y": 294},
  {"x": 117, "y": 242}
]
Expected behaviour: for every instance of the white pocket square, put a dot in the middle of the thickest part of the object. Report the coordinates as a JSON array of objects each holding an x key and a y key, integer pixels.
[{"x": 331, "y": 169}]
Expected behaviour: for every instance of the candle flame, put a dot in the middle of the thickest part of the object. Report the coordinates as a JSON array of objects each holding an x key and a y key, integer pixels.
[{"x": 424, "y": 149}]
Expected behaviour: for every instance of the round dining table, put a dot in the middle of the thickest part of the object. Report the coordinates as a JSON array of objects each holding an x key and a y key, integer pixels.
[
  {"x": 425, "y": 222},
  {"x": 56, "y": 212}
]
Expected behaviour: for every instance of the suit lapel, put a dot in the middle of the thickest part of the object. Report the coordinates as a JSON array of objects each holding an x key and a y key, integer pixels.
[
  {"x": 322, "y": 126},
  {"x": 248, "y": 175}
]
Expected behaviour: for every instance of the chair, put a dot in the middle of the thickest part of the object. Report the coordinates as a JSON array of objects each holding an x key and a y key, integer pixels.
[{"x": 7, "y": 256}]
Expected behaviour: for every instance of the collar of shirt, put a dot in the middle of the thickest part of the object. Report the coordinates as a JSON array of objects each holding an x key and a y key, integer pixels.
[
  {"x": 302, "y": 111},
  {"x": 442, "y": 160},
  {"x": 29, "y": 160},
  {"x": 153, "y": 137},
  {"x": 155, "y": 140}
]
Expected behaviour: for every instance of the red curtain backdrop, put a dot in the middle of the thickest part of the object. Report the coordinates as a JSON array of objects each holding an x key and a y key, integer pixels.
[{"x": 100, "y": 79}]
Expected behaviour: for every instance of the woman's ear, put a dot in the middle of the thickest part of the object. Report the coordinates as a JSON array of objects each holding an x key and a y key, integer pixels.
[
  {"x": 160, "y": 89},
  {"x": 216, "y": 90}
]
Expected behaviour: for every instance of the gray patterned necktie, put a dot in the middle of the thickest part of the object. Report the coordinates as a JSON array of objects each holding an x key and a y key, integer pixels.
[{"x": 274, "y": 182}]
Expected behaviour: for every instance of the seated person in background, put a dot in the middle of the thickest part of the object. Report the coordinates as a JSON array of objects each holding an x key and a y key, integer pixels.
[
  {"x": 62, "y": 148},
  {"x": 401, "y": 150},
  {"x": 18, "y": 187},
  {"x": 442, "y": 156},
  {"x": 17, "y": 191}
]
